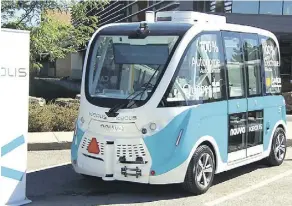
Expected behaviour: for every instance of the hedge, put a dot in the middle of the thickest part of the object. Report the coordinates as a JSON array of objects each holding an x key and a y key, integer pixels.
[{"x": 52, "y": 117}]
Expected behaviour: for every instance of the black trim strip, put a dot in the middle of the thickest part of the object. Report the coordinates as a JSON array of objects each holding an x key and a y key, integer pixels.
[
  {"x": 109, "y": 175},
  {"x": 252, "y": 36},
  {"x": 97, "y": 158},
  {"x": 110, "y": 142},
  {"x": 233, "y": 34}
]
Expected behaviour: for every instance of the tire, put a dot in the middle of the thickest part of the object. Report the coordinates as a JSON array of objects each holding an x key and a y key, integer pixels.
[
  {"x": 278, "y": 153},
  {"x": 191, "y": 183}
]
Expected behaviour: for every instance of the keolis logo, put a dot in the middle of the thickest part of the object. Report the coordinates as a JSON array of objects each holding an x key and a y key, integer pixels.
[
  {"x": 12, "y": 72},
  {"x": 254, "y": 128}
]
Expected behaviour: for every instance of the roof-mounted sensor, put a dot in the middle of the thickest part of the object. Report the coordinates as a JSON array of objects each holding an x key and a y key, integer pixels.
[{"x": 189, "y": 16}]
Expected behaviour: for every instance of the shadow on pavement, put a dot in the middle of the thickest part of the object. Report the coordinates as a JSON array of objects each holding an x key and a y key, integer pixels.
[{"x": 62, "y": 184}]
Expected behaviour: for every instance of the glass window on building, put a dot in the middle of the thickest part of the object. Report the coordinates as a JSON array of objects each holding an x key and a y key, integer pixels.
[
  {"x": 271, "y": 7},
  {"x": 287, "y": 7},
  {"x": 245, "y": 7}
]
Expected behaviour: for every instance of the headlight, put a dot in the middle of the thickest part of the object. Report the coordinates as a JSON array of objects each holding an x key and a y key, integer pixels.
[{"x": 150, "y": 128}]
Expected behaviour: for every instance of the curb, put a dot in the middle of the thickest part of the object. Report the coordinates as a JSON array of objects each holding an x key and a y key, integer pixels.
[
  {"x": 48, "y": 146},
  {"x": 49, "y": 141}
]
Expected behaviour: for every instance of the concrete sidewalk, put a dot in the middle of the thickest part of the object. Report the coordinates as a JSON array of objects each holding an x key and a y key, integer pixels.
[{"x": 49, "y": 140}]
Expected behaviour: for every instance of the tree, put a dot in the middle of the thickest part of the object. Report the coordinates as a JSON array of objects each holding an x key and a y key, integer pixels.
[
  {"x": 30, "y": 10},
  {"x": 51, "y": 38}
]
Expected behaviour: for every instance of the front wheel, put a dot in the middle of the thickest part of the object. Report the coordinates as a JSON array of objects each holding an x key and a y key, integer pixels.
[
  {"x": 201, "y": 170},
  {"x": 278, "y": 149}
]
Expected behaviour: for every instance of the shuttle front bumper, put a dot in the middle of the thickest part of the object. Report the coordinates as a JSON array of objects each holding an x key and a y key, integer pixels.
[{"x": 119, "y": 159}]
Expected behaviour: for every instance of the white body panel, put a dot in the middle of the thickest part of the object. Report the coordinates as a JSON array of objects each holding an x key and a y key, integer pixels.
[{"x": 14, "y": 92}]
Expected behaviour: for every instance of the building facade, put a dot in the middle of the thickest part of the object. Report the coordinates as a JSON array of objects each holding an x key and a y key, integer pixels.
[{"x": 275, "y": 16}]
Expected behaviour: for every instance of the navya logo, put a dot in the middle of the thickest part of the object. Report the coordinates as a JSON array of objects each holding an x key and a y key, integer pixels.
[
  {"x": 13, "y": 72},
  {"x": 114, "y": 128},
  {"x": 236, "y": 131},
  {"x": 98, "y": 116}
]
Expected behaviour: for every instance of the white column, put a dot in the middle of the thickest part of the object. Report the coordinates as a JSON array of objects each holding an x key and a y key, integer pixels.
[{"x": 14, "y": 99}]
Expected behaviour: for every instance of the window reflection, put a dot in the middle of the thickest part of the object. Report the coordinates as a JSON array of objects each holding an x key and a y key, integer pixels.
[
  {"x": 287, "y": 10},
  {"x": 271, "y": 7},
  {"x": 245, "y": 7}
]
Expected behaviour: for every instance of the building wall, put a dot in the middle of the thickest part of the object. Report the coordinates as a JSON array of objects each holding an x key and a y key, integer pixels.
[
  {"x": 76, "y": 65},
  {"x": 63, "y": 66},
  {"x": 61, "y": 16}
]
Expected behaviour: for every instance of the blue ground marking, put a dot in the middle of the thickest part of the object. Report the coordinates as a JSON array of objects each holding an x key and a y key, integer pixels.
[
  {"x": 8, "y": 172},
  {"x": 11, "y": 173},
  {"x": 12, "y": 145}
]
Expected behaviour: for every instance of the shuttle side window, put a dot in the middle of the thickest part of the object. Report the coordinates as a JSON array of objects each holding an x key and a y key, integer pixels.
[
  {"x": 271, "y": 63},
  {"x": 234, "y": 59},
  {"x": 200, "y": 75},
  {"x": 252, "y": 62}
]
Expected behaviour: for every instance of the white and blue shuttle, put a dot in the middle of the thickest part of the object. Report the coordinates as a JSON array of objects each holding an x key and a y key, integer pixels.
[{"x": 177, "y": 99}]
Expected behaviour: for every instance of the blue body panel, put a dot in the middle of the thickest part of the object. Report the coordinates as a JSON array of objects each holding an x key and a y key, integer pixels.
[
  {"x": 209, "y": 119},
  {"x": 206, "y": 119},
  {"x": 255, "y": 103},
  {"x": 76, "y": 138},
  {"x": 237, "y": 106},
  {"x": 272, "y": 114}
]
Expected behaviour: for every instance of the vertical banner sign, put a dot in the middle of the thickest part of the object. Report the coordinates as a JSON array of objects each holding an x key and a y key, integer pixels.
[{"x": 14, "y": 99}]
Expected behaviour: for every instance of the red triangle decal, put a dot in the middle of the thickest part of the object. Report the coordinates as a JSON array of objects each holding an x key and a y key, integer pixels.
[{"x": 93, "y": 147}]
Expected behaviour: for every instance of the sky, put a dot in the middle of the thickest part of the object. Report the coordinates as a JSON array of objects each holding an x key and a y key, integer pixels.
[{"x": 17, "y": 15}]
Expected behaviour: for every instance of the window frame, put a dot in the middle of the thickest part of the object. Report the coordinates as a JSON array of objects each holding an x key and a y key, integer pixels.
[
  {"x": 164, "y": 103},
  {"x": 242, "y": 66},
  {"x": 260, "y": 65}
]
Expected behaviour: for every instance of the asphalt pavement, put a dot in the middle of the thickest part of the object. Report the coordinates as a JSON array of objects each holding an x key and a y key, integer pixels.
[{"x": 51, "y": 181}]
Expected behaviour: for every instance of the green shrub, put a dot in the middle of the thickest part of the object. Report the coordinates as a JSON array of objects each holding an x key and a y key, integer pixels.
[{"x": 52, "y": 117}]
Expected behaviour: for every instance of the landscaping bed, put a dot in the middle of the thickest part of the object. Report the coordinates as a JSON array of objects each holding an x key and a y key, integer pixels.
[{"x": 52, "y": 117}]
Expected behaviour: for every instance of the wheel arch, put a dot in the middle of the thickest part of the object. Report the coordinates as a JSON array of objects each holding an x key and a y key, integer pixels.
[
  {"x": 278, "y": 124},
  {"x": 210, "y": 142},
  {"x": 282, "y": 126}
]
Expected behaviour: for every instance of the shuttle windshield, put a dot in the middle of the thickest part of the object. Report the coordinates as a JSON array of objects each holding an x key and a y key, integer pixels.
[{"x": 120, "y": 67}]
